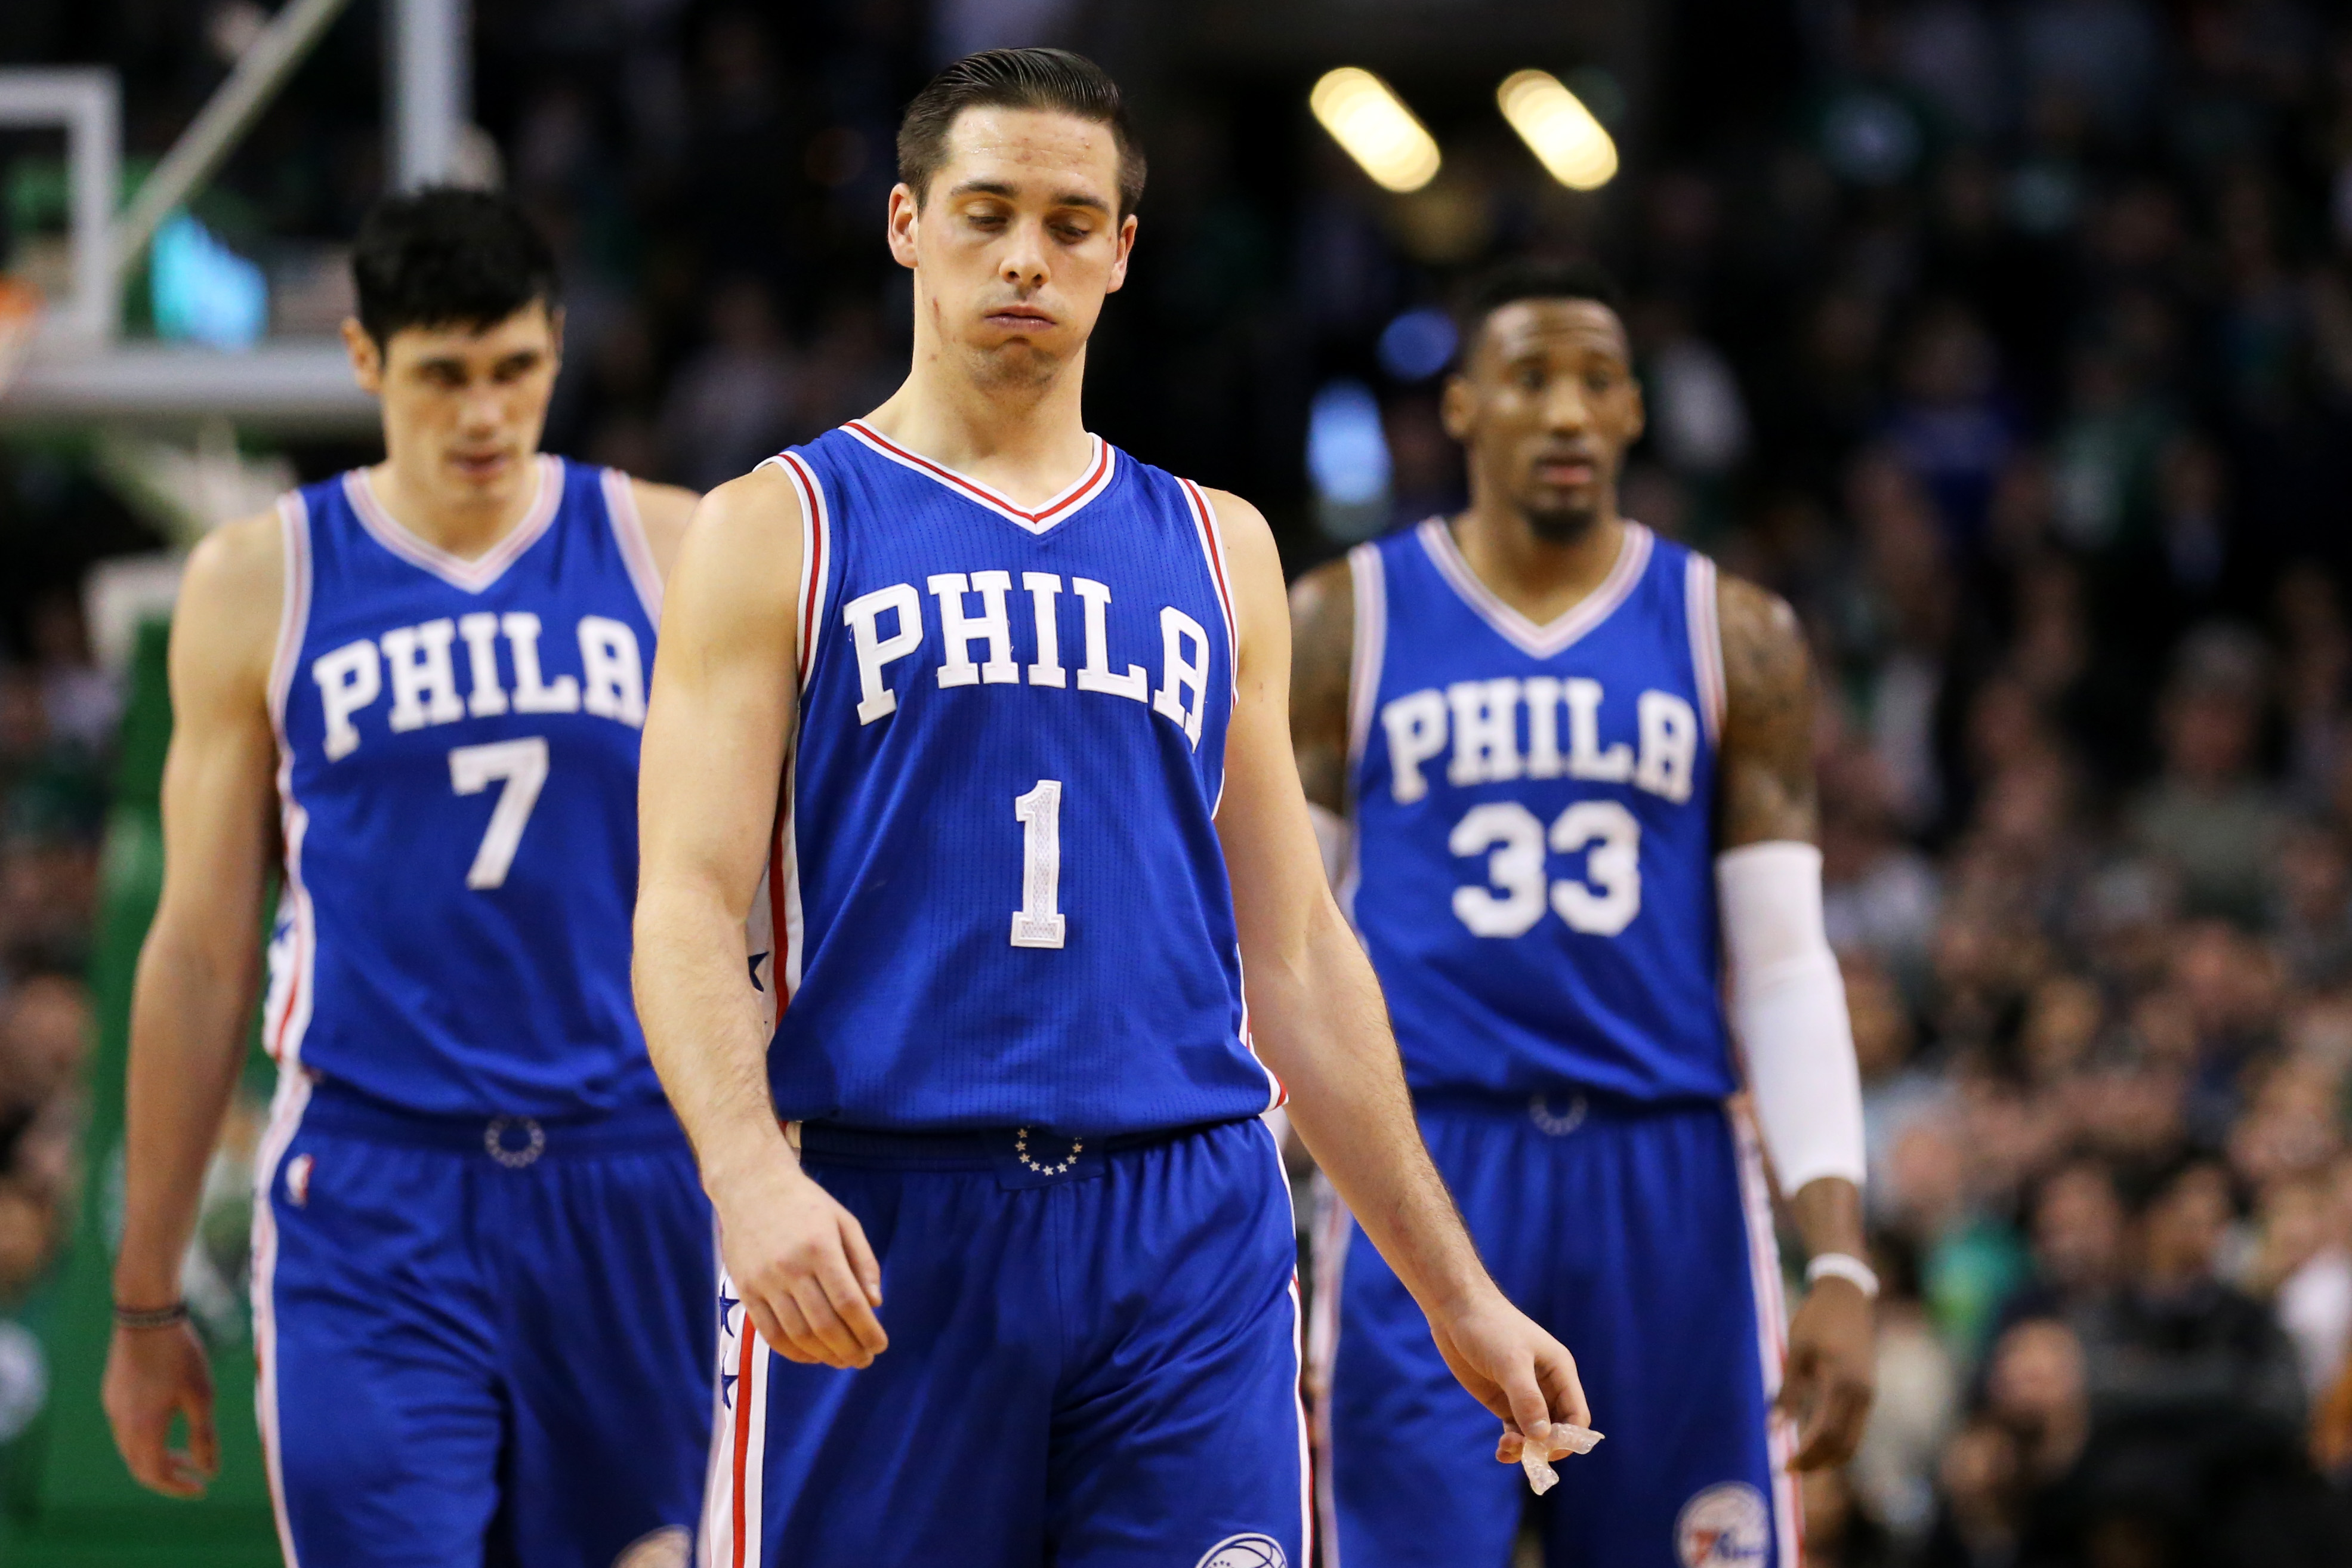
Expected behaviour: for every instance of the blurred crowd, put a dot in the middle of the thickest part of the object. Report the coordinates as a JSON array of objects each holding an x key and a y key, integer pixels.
[{"x": 58, "y": 717}]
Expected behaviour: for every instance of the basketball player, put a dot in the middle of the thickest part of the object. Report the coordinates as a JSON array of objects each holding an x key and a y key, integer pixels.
[
  {"x": 1000, "y": 710},
  {"x": 481, "y": 1259},
  {"x": 1576, "y": 767}
]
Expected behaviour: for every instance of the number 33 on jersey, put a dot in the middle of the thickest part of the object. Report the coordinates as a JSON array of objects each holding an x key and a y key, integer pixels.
[
  {"x": 997, "y": 896},
  {"x": 1533, "y": 867}
]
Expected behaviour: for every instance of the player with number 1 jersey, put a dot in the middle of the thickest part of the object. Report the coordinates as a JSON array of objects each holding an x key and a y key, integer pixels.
[{"x": 480, "y": 1254}]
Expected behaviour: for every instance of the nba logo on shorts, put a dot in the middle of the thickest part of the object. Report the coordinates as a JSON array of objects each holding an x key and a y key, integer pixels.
[
  {"x": 1244, "y": 1551},
  {"x": 1726, "y": 1526}
]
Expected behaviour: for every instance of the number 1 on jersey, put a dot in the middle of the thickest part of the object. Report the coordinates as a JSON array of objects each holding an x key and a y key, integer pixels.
[{"x": 1038, "y": 921}]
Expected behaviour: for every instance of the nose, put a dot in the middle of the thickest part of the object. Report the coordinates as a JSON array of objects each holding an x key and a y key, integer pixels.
[
  {"x": 1024, "y": 263},
  {"x": 1564, "y": 408}
]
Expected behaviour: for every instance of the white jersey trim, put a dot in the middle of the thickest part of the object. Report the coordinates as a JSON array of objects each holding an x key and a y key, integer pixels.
[
  {"x": 1560, "y": 633},
  {"x": 629, "y": 533},
  {"x": 1771, "y": 1336},
  {"x": 1213, "y": 546},
  {"x": 293, "y": 1095},
  {"x": 472, "y": 576},
  {"x": 1707, "y": 642},
  {"x": 1334, "y": 1230},
  {"x": 289, "y": 1002},
  {"x": 732, "y": 1524},
  {"x": 1368, "y": 656},
  {"x": 1100, "y": 465}
]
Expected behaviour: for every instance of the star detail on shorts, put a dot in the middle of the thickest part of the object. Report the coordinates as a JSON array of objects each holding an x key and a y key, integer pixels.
[{"x": 758, "y": 959}]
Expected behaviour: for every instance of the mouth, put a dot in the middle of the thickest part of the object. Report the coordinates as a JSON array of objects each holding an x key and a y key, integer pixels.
[
  {"x": 1568, "y": 471},
  {"x": 1017, "y": 319},
  {"x": 480, "y": 466}
]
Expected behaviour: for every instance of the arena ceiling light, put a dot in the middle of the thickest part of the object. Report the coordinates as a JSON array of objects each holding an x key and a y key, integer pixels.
[
  {"x": 1370, "y": 123},
  {"x": 1559, "y": 129}
]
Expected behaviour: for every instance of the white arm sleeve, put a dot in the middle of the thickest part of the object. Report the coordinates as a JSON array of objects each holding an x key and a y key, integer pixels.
[{"x": 1788, "y": 1011}]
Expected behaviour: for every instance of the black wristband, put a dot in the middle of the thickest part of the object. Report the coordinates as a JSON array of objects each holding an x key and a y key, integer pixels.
[{"x": 151, "y": 1316}]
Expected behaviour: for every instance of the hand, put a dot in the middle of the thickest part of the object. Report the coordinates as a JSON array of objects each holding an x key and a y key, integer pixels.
[
  {"x": 801, "y": 1263},
  {"x": 152, "y": 1375},
  {"x": 1514, "y": 1369},
  {"x": 1832, "y": 1372}
]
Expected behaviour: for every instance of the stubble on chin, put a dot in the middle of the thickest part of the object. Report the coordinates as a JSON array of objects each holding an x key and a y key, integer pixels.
[
  {"x": 1564, "y": 525},
  {"x": 1013, "y": 367}
]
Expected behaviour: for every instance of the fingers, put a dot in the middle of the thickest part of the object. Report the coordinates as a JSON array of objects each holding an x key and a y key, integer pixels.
[
  {"x": 862, "y": 1263},
  {"x": 203, "y": 1438},
  {"x": 1564, "y": 1388},
  {"x": 835, "y": 1344},
  {"x": 1833, "y": 1429},
  {"x": 1531, "y": 1412}
]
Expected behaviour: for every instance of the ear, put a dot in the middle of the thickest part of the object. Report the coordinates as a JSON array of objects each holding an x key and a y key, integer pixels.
[
  {"x": 1126, "y": 249},
  {"x": 1640, "y": 419},
  {"x": 1456, "y": 406},
  {"x": 367, "y": 359},
  {"x": 555, "y": 337},
  {"x": 904, "y": 210}
]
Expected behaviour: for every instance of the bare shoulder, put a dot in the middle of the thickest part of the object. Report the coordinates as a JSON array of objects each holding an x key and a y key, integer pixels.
[
  {"x": 739, "y": 563},
  {"x": 1249, "y": 539},
  {"x": 1768, "y": 729},
  {"x": 224, "y": 627},
  {"x": 664, "y": 511},
  {"x": 1323, "y": 614}
]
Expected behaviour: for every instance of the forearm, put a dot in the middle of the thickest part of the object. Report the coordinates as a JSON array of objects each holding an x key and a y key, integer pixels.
[
  {"x": 189, "y": 1012},
  {"x": 703, "y": 1028},
  {"x": 1828, "y": 1214},
  {"x": 1320, "y": 1023}
]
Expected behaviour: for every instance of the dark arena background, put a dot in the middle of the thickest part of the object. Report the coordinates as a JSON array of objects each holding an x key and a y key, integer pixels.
[{"x": 2010, "y": 340}]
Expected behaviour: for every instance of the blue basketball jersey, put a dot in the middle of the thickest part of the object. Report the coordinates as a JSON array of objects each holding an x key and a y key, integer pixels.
[
  {"x": 997, "y": 895},
  {"x": 457, "y": 772},
  {"x": 1533, "y": 861}
]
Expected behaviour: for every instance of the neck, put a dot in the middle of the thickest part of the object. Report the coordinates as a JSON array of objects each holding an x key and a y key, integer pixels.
[
  {"x": 1027, "y": 438},
  {"x": 465, "y": 520},
  {"x": 1540, "y": 576}
]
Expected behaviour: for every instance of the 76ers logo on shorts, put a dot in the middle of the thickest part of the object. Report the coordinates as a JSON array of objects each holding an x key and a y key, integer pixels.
[
  {"x": 1726, "y": 1526},
  {"x": 1244, "y": 1551}
]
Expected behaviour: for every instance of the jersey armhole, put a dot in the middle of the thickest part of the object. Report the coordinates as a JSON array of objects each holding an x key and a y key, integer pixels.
[
  {"x": 1368, "y": 577},
  {"x": 816, "y": 557},
  {"x": 1707, "y": 641},
  {"x": 1212, "y": 548},
  {"x": 629, "y": 533},
  {"x": 294, "y": 604}
]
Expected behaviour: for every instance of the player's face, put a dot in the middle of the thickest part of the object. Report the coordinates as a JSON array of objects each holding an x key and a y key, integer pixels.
[
  {"x": 463, "y": 405},
  {"x": 1016, "y": 242},
  {"x": 1547, "y": 404}
]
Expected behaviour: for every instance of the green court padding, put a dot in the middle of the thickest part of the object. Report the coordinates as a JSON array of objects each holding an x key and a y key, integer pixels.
[{"x": 70, "y": 1503}]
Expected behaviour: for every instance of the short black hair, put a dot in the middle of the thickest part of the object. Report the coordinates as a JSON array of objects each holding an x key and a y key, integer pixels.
[
  {"x": 444, "y": 256},
  {"x": 1016, "y": 78},
  {"x": 1526, "y": 278}
]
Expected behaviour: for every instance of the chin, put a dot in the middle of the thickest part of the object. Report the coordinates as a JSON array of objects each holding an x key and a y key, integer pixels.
[{"x": 1562, "y": 524}]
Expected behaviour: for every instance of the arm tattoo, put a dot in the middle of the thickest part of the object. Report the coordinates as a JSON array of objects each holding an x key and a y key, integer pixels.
[
  {"x": 1322, "y": 647},
  {"x": 1765, "y": 788}
]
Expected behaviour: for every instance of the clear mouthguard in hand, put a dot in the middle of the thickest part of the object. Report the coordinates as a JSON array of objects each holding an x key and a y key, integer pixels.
[{"x": 1535, "y": 1460}]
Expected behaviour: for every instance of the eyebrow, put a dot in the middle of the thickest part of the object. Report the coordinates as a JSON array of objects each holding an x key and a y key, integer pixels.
[{"x": 1013, "y": 193}]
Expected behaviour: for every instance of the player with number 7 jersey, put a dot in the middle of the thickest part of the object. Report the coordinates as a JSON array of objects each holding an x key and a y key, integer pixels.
[{"x": 480, "y": 1256}]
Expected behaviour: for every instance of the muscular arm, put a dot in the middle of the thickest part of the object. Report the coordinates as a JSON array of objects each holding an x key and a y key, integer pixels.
[
  {"x": 1320, "y": 1025},
  {"x": 1323, "y": 649},
  {"x": 717, "y": 731},
  {"x": 198, "y": 972},
  {"x": 1767, "y": 796}
]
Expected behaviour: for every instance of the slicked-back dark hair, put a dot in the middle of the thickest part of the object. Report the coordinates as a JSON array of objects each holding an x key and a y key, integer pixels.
[
  {"x": 1015, "y": 78},
  {"x": 446, "y": 257},
  {"x": 1513, "y": 281}
]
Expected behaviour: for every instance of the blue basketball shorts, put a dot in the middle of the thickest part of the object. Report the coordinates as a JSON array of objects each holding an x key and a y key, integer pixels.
[
  {"x": 1639, "y": 1235},
  {"x": 480, "y": 1343},
  {"x": 1093, "y": 1364}
]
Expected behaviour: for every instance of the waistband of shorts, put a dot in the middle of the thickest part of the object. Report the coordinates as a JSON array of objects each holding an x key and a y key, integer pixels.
[
  {"x": 511, "y": 1141},
  {"x": 1037, "y": 1148},
  {"x": 1566, "y": 1104}
]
